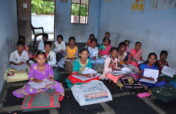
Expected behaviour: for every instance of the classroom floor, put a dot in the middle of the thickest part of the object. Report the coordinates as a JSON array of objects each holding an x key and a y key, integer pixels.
[{"x": 124, "y": 102}]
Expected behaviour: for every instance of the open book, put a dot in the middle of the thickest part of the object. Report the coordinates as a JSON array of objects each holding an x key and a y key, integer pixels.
[
  {"x": 123, "y": 71},
  {"x": 168, "y": 71},
  {"x": 86, "y": 78},
  {"x": 150, "y": 73},
  {"x": 140, "y": 61},
  {"x": 130, "y": 66},
  {"x": 87, "y": 71},
  {"x": 43, "y": 84}
]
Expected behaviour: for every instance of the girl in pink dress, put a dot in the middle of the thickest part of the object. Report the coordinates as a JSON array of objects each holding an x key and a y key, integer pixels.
[
  {"x": 105, "y": 47},
  {"x": 135, "y": 55},
  {"x": 37, "y": 73}
]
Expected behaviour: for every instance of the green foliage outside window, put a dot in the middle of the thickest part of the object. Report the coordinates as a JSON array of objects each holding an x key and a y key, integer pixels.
[
  {"x": 83, "y": 10},
  {"x": 42, "y": 7}
]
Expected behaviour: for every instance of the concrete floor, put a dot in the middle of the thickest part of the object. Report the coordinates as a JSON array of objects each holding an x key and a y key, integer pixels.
[{"x": 124, "y": 102}]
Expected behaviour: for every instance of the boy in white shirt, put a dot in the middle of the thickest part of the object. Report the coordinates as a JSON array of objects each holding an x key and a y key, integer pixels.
[
  {"x": 19, "y": 58},
  {"x": 51, "y": 55},
  {"x": 41, "y": 43},
  {"x": 59, "y": 47},
  {"x": 51, "y": 59}
]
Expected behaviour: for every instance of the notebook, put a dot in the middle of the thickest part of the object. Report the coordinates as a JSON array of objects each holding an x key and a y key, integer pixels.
[
  {"x": 168, "y": 71},
  {"x": 150, "y": 73}
]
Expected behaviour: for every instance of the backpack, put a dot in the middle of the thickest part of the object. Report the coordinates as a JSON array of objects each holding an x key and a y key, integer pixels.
[{"x": 128, "y": 82}]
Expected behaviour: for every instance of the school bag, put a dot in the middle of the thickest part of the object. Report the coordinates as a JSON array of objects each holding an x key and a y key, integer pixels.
[
  {"x": 167, "y": 78},
  {"x": 128, "y": 82},
  {"x": 42, "y": 101},
  {"x": 165, "y": 94},
  {"x": 172, "y": 83}
]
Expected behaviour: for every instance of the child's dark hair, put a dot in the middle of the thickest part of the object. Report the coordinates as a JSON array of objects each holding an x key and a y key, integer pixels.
[
  {"x": 20, "y": 43},
  {"x": 41, "y": 53},
  {"x": 138, "y": 43},
  {"x": 107, "y": 33},
  {"x": 91, "y": 35},
  {"x": 127, "y": 41},
  {"x": 48, "y": 43},
  {"x": 45, "y": 35},
  {"x": 84, "y": 49},
  {"x": 104, "y": 39},
  {"x": 151, "y": 54},
  {"x": 72, "y": 38},
  {"x": 21, "y": 37},
  {"x": 93, "y": 40},
  {"x": 121, "y": 44},
  {"x": 59, "y": 36},
  {"x": 164, "y": 52},
  {"x": 113, "y": 49}
]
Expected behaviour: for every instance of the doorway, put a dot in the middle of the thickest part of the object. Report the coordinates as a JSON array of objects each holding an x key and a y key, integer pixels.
[{"x": 43, "y": 15}]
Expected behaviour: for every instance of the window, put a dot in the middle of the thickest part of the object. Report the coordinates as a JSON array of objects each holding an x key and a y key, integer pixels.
[{"x": 79, "y": 11}]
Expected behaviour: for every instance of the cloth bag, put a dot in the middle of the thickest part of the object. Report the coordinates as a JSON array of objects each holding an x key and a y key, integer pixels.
[{"x": 41, "y": 101}]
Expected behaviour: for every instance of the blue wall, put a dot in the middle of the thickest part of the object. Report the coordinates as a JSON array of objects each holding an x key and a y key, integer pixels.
[
  {"x": 8, "y": 34},
  {"x": 156, "y": 29},
  {"x": 80, "y": 31}
]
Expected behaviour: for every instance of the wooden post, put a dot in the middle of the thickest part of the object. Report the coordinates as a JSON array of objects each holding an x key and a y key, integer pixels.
[{"x": 24, "y": 17}]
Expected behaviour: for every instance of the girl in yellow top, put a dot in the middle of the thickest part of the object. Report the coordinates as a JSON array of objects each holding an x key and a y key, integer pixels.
[
  {"x": 71, "y": 54},
  {"x": 71, "y": 49}
]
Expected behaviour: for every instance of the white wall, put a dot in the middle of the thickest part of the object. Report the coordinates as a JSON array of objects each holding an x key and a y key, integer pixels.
[
  {"x": 8, "y": 33},
  {"x": 80, "y": 31},
  {"x": 156, "y": 29}
]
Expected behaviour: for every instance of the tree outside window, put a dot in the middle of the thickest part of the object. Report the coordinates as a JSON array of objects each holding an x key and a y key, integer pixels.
[{"x": 79, "y": 11}]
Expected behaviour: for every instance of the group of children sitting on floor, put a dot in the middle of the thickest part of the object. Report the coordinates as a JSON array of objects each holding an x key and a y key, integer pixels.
[{"x": 75, "y": 62}]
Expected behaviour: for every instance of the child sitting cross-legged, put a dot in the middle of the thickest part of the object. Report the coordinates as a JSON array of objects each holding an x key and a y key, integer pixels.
[
  {"x": 105, "y": 47},
  {"x": 93, "y": 51},
  {"x": 19, "y": 58},
  {"x": 38, "y": 73},
  {"x": 151, "y": 64},
  {"x": 162, "y": 61},
  {"x": 59, "y": 47},
  {"x": 71, "y": 54},
  {"x": 79, "y": 66},
  {"x": 51, "y": 59},
  {"x": 111, "y": 64}
]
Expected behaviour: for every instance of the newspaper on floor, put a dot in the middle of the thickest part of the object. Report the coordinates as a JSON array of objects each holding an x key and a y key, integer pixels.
[{"x": 92, "y": 92}]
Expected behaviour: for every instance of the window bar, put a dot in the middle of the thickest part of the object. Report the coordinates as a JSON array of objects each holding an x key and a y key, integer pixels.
[
  {"x": 85, "y": 14},
  {"x": 79, "y": 10}
]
